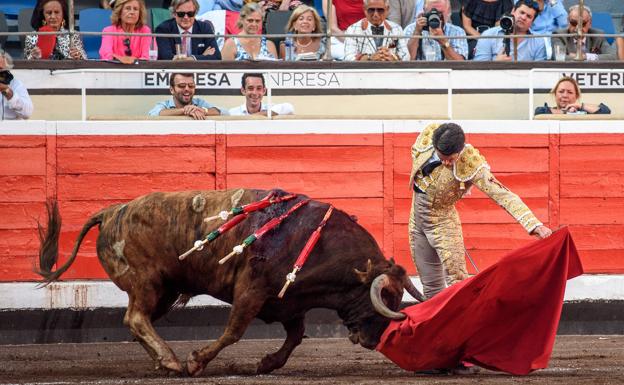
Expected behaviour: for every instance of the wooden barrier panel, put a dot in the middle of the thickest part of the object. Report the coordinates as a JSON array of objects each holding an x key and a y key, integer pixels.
[{"x": 568, "y": 173}]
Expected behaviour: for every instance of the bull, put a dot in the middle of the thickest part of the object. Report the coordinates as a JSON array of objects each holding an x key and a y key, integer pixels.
[{"x": 139, "y": 243}]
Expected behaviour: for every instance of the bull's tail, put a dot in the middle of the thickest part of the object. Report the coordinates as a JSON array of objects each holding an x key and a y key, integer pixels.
[{"x": 48, "y": 250}]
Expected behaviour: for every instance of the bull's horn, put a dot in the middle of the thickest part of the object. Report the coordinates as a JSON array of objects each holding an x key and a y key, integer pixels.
[
  {"x": 375, "y": 293},
  {"x": 412, "y": 290}
]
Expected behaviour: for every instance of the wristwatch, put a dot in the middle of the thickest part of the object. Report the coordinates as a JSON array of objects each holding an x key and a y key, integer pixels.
[{"x": 447, "y": 44}]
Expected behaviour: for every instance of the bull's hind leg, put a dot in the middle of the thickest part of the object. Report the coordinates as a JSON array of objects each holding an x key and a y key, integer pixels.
[
  {"x": 141, "y": 311},
  {"x": 246, "y": 304},
  {"x": 294, "y": 335}
]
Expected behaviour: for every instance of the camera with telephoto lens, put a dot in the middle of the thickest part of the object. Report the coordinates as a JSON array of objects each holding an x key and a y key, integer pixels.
[
  {"x": 434, "y": 19},
  {"x": 507, "y": 23},
  {"x": 6, "y": 77}
]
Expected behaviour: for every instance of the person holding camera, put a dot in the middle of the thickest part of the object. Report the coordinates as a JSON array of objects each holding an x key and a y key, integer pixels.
[
  {"x": 567, "y": 94},
  {"x": 435, "y": 21},
  {"x": 16, "y": 103},
  {"x": 374, "y": 45},
  {"x": 519, "y": 22}
]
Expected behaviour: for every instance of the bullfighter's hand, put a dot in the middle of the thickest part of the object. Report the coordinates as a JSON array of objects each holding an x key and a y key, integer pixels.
[{"x": 542, "y": 232}]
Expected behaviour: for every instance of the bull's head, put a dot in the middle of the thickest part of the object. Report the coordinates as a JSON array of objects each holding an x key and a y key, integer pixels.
[{"x": 386, "y": 292}]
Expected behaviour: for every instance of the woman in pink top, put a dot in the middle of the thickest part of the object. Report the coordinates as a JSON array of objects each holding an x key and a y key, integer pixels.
[{"x": 128, "y": 16}]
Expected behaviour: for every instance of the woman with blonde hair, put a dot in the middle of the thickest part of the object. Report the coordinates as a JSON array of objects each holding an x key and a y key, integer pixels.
[
  {"x": 567, "y": 96},
  {"x": 249, "y": 48},
  {"x": 304, "y": 20},
  {"x": 128, "y": 16}
]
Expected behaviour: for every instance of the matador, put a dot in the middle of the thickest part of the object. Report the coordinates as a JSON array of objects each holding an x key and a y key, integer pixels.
[{"x": 444, "y": 168}]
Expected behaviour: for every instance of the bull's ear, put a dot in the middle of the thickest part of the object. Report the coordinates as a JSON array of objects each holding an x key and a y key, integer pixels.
[
  {"x": 392, "y": 261},
  {"x": 364, "y": 276}
]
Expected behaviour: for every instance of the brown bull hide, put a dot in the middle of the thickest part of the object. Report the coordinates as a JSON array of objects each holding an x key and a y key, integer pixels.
[{"x": 139, "y": 245}]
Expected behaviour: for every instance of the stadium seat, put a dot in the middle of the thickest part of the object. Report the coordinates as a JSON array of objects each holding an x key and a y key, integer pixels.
[
  {"x": 318, "y": 5},
  {"x": 276, "y": 22},
  {"x": 93, "y": 20},
  {"x": 11, "y": 8},
  {"x": 23, "y": 23},
  {"x": 158, "y": 15},
  {"x": 603, "y": 21},
  {"x": 3, "y": 28}
]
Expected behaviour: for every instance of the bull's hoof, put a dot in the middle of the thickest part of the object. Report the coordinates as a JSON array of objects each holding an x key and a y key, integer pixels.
[
  {"x": 193, "y": 366},
  {"x": 268, "y": 364}
]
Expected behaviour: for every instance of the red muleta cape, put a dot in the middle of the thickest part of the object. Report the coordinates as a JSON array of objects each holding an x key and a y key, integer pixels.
[{"x": 504, "y": 318}]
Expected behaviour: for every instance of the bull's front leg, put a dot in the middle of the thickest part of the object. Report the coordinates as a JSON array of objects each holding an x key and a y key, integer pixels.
[
  {"x": 245, "y": 307},
  {"x": 294, "y": 334}
]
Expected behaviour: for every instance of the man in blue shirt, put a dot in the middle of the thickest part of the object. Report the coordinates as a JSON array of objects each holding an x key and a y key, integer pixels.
[
  {"x": 182, "y": 88},
  {"x": 524, "y": 12},
  {"x": 436, "y": 49}
]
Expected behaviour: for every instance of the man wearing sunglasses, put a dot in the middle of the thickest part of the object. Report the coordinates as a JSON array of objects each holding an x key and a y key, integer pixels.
[
  {"x": 594, "y": 48},
  {"x": 184, "y": 102},
  {"x": 184, "y": 24},
  {"x": 524, "y": 12},
  {"x": 373, "y": 45}
]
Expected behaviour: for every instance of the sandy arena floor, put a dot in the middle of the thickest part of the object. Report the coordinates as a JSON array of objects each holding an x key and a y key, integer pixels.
[{"x": 592, "y": 360}]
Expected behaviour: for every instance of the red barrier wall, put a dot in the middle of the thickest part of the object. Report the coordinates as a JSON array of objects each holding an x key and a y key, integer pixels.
[{"x": 571, "y": 179}]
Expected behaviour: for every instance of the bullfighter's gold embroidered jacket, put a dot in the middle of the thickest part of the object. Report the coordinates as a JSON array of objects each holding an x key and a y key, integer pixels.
[{"x": 446, "y": 185}]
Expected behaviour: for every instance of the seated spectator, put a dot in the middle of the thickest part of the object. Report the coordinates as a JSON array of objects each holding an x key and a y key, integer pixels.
[
  {"x": 594, "y": 47},
  {"x": 552, "y": 16},
  {"x": 16, "y": 103},
  {"x": 304, "y": 19},
  {"x": 184, "y": 23},
  {"x": 443, "y": 49},
  {"x": 567, "y": 95},
  {"x": 106, "y": 4},
  {"x": 254, "y": 89},
  {"x": 128, "y": 16},
  {"x": 249, "y": 48},
  {"x": 404, "y": 12},
  {"x": 480, "y": 15},
  {"x": 373, "y": 45},
  {"x": 51, "y": 16},
  {"x": 524, "y": 12},
  {"x": 343, "y": 14},
  {"x": 184, "y": 102}
]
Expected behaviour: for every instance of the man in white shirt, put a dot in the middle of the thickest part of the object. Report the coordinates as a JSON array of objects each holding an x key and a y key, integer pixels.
[
  {"x": 374, "y": 45},
  {"x": 253, "y": 88},
  {"x": 16, "y": 103}
]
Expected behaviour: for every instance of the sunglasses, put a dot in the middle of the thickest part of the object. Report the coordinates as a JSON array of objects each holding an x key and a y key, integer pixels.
[
  {"x": 126, "y": 43},
  {"x": 574, "y": 23},
  {"x": 182, "y": 14},
  {"x": 529, "y": 3},
  {"x": 372, "y": 11},
  {"x": 184, "y": 85}
]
